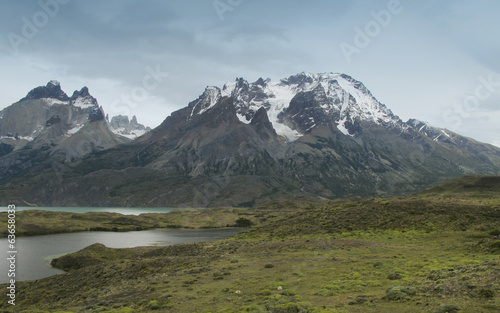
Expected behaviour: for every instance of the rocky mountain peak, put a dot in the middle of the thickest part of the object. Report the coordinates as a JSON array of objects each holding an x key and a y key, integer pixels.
[
  {"x": 133, "y": 121},
  {"x": 260, "y": 117},
  {"x": 84, "y": 100},
  {"x": 119, "y": 121},
  {"x": 207, "y": 100},
  {"x": 300, "y": 79},
  {"x": 121, "y": 125},
  {"x": 84, "y": 92},
  {"x": 242, "y": 84},
  {"x": 47, "y": 126},
  {"x": 261, "y": 82},
  {"x": 317, "y": 98},
  {"x": 50, "y": 91}
]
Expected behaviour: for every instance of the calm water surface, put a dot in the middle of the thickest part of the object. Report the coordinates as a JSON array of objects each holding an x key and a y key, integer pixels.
[
  {"x": 35, "y": 253},
  {"x": 127, "y": 211}
]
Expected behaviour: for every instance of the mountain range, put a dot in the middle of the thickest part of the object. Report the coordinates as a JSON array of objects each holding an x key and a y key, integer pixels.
[
  {"x": 305, "y": 136},
  {"x": 47, "y": 126}
]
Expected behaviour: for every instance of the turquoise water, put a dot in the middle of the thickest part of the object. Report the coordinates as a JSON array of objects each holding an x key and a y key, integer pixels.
[{"x": 127, "y": 211}]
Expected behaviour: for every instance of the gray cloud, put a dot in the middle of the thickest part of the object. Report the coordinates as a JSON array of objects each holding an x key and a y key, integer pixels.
[{"x": 426, "y": 58}]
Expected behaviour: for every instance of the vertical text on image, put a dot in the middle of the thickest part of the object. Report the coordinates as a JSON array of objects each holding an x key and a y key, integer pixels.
[{"x": 12, "y": 253}]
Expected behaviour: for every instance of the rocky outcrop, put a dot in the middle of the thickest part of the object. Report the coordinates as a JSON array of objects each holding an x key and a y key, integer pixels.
[
  {"x": 121, "y": 125},
  {"x": 48, "y": 127}
]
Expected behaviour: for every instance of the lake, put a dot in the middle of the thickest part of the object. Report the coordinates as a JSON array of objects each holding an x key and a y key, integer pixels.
[
  {"x": 126, "y": 211},
  {"x": 35, "y": 253}
]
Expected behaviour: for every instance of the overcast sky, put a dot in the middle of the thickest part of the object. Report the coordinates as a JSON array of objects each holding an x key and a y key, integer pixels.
[{"x": 437, "y": 61}]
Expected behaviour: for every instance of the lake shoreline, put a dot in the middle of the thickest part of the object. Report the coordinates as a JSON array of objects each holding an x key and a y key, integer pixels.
[
  {"x": 44, "y": 222},
  {"x": 121, "y": 210},
  {"x": 36, "y": 256}
]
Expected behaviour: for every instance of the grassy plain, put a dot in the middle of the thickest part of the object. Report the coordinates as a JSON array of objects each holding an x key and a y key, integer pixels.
[
  {"x": 437, "y": 251},
  {"x": 40, "y": 222}
]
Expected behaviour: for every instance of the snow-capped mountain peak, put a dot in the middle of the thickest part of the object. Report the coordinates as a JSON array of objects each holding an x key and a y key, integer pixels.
[
  {"x": 131, "y": 129},
  {"x": 50, "y": 91},
  {"x": 82, "y": 99},
  {"x": 209, "y": 98},
  {"x": 342, "y": 99},
  {"x": 54, "y": 83},
  {"x": 47, "y": 114}
]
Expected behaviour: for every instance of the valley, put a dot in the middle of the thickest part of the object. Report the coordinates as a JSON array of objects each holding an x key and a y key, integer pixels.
[
  {"x": 233, "y": 156},
  {"x": 435, "y": 251}
]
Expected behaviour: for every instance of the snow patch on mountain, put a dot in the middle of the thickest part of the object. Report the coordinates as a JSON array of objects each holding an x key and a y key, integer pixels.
[
  {"x": 243, "y": 118},
  {"x": 73, "y": 130},
  {"x": 367, "y": 107},
  {"x": 51, "y": 102},
  {"x": 84, "y": 102},
  {"x": 207, "y": 100},
  {"x": 342, "y": 128},
  {"x": 122, "y": 131},
  {"x": 28, "y": 138},
  {"x": 279, "y": 100}
]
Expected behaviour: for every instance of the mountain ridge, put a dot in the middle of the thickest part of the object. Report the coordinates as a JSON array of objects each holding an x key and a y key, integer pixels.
[
  {"x": 306, "y": 136},
  {"x": 47, "y": 126}
]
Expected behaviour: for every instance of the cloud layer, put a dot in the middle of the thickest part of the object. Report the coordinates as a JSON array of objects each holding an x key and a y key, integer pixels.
[{"x": 420, "y": 61}]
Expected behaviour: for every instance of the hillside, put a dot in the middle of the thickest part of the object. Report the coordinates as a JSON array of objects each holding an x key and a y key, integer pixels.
[
  {"x": 422, "y": 253},
  {"x": 469, "y": 186}
]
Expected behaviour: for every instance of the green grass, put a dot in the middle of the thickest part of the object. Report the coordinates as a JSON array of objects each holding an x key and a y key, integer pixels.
[
  {"x": 315, "y": 273},
  {"x": 39, "y": 222},
  {"x": 422, "y": 253}
]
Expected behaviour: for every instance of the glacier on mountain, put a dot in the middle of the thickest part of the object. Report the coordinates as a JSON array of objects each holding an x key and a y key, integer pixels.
[{"x": 342, "y": 98}]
